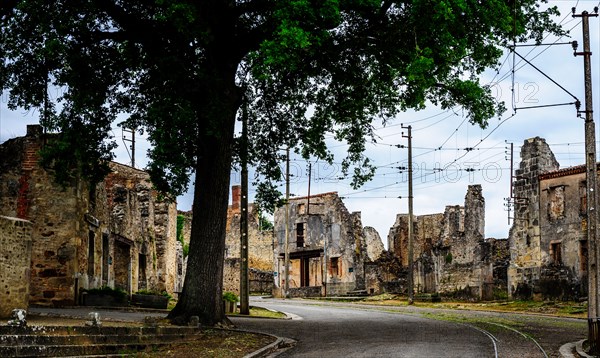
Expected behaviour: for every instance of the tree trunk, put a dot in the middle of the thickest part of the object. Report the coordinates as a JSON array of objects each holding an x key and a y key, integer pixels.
[{"x": 203, "y": 285}]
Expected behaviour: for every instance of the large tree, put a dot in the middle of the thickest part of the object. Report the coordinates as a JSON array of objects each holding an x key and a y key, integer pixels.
[{"x": 180, "y": 70}]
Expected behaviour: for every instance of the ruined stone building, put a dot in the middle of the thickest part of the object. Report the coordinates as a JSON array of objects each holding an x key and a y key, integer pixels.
[
  {"x": 116, "y": 233},
  {"x": 260, "y": 248},
  {"x": 451, "y": 255},
  {"x": 548, "y": 239},
  {"x": 327, "y": 247}
]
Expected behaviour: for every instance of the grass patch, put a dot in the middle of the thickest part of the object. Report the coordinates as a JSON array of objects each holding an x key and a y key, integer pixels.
[
  {"x": 261, "y": 312},
  {"x": 556, "y": 308}
]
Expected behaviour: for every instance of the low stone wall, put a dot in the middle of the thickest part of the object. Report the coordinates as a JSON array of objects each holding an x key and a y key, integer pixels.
[
  {"x": 340, "y": 288},
  {"x": 15, "y": 244},
  {"x": 260, "y": 281}
]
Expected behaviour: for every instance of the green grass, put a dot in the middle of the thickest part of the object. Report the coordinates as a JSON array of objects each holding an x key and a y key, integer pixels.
[{"x": 261, "y": 312}]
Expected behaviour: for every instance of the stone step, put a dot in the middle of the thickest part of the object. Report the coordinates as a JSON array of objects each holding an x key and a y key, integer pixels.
[
  {"x": 34, "y": 341},
  {"x": 75, "y": 350},
  {"x": 41, "y": 340},
  {"x": 85, "y": 330},
  {"x": 357, "y": 293}
]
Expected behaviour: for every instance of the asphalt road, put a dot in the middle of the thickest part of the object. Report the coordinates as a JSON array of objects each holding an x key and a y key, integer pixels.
[{"x": 335, "y": 331}]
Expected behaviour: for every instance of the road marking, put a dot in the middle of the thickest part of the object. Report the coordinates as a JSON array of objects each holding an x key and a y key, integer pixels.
[
  {"x": 524, "y": 335},
  {"x": 490, "y": 336}
]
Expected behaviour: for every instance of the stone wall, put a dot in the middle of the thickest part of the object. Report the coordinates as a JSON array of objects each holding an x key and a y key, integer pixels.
[
  {"x": 327, "y": 246},
  {"x": 15, "y": 261},
  {"x": 374, "y": 243},
  {"x": 548, "y": 239},
  {"x": 115, "y": 233},
  {"x": 260, "y": 243},
  {"x": 449, "y": 250}
]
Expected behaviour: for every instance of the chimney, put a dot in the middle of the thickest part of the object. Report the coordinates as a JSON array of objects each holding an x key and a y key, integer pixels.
[{"x": 236, "y": 197}]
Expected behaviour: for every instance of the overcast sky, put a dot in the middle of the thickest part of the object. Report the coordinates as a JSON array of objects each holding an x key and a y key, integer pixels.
[{"x": 444, "y": 140}]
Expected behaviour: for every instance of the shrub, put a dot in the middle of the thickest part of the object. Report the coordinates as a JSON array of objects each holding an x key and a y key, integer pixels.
[
  {"x": 154, "y": 293},
  {"x": 118, "y": 293},
  {"x": 230, "y": 296}
]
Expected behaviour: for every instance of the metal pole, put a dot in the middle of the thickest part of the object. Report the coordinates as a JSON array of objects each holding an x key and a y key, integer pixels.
[
  {"x": 591, "y": 185},
  {"x": 325, "y": 273},
  {"x": 308, "y": 196},
  {"x": 410, "y": 219},
  {"x": 287, "y": 224},
  {"x": 244, "y": 279},
  {"x": 133, "y": 148}
]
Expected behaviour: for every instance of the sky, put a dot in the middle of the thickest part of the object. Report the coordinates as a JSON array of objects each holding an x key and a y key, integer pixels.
[{"x": 448, "y": 153}]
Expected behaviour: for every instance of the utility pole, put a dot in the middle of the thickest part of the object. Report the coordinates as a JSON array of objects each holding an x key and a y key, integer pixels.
[
  {"x": 308, "y": 196},
  {"x": 132, "y": 146},
  {"x": 410, "y": 218},
  {"x": 287, "y": 224},
  {"x": 244, "y": 280},
  {"x": 509, "y": 200},
  {"x": 591, "y": 184}
]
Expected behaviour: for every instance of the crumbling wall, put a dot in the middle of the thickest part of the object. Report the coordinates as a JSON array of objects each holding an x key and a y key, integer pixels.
[
  {"x": 500, "y": 256},
  {"x": 85, "y": 235},
  {"x": 323, "y": 237},
  {"x": 138, "y": 217},
  {"x": 15, "y": 245},
  {"x": 449, "y": 250},
  {"x": 525, "y": 235},
  {"x": 468, "y": 262},
  {"x": 260, "y": 243},
  {"x": 59, "y": 230},
  {"x": 374, "y": 244}
]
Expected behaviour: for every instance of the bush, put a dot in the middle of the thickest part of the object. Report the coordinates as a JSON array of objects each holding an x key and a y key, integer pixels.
[
  {"x": 118, "y": 293},
  {"x": 154, "y": 293},
  {"x": 230, "y": 297}
]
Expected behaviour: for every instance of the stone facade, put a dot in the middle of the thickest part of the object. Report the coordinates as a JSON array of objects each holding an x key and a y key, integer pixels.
[
  {"x": 260, "y": 247},
  {"x": 15, "y": 261},
  {"x": 450, "y": 253},
  {"x": 323, "y": 237},
  {"x": 115, "y": 233},
  {"x": 548, "y": 239},
  {"x": 375, "y": 246}
]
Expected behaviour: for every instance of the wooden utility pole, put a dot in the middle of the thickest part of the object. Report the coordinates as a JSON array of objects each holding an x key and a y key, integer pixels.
[
  {"x": 410, "y": 218},
  {"x": 591, "y": 184},
  {"x": 244, "y": 280},
  {"x": 287, "y": 224}
]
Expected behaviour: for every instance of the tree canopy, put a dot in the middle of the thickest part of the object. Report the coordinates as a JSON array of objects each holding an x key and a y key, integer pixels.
[{"x": 180, "y": 70}]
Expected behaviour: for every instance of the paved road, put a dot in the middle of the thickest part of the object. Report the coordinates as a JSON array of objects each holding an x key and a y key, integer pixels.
[{"x": 332, "y": 331}]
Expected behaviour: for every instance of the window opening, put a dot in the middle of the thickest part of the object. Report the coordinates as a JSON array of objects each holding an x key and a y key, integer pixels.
[
  {"x": 556, "y": 252},
  {"x": 300, "y": 235},
  {"x": 90, "y": 269}
]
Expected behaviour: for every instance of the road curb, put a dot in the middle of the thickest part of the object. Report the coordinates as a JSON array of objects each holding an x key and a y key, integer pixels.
[{"x": 268, "y": 350}]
